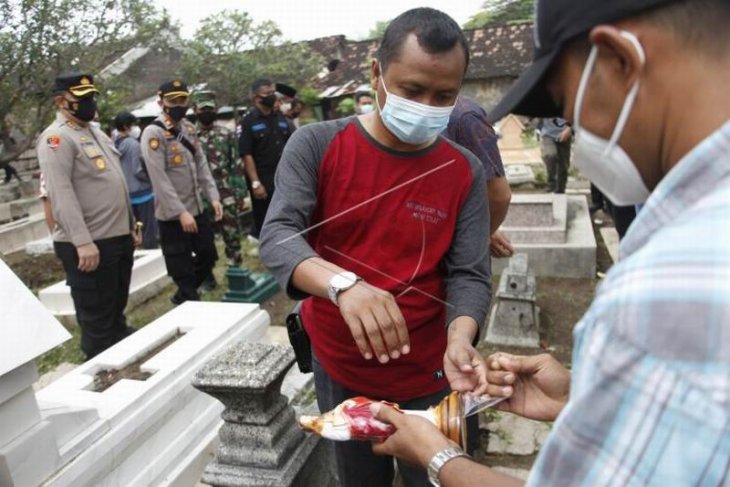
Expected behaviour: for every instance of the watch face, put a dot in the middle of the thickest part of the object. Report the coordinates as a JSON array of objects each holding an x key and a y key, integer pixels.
[{"x": 344, "y": 280}]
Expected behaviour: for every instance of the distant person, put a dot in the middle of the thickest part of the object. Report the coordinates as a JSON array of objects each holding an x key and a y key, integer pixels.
[
  {"x": 219, "y": 145},
  {"x": 138, "y": 181},
  {"x": 646, "y": 401},
  {"x": 94, "y": 224},
  {"x": 264, "y": 133},
  {"x": 468, "y": 127},
  {"x": 555, "y": 142},
  {"x": 363, "y": 102},
  {"x": 179, "y": 172}
]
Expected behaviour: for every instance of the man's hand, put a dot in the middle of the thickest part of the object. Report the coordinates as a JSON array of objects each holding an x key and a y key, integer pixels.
[
  {"x": 187, "y": 221},
  {"x": 260, "y": 193},
  {"x": 415, "y": 440},
  {"x": 375, "y": 321},
  {"x": 500, "y": 245},
  {"x": 137, "y": 237},
  {"x": 88, "y": 257},
  {"x": 538, "y": 387},
  {"x": 464, "y": 367},
  {"x": 565, "y": 135},
  {"x": 218, "y": 210}
]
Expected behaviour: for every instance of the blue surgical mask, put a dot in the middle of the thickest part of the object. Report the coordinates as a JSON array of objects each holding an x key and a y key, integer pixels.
[{"x": 411, "y": 122}]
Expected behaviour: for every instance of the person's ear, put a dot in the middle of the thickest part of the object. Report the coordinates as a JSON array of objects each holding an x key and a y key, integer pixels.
[
  {"x": 375, "y": 74},
  {"x": 620, "y": 58}
]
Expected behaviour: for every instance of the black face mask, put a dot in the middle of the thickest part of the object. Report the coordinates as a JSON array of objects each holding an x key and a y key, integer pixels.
[
  {"x": 176, "y": 113},
  {"x": 206, "y": 118},
  {"x": 83, "y": 109},
  {"x": 268, "y": 101}
]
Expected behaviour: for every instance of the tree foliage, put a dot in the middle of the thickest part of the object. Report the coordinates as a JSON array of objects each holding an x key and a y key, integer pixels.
[
  {"x": 41, "y": 38},
  {"x": 502, "y": 12},
  {"x": 379, "y": 29},
  {"x": 229, "y": 50}
]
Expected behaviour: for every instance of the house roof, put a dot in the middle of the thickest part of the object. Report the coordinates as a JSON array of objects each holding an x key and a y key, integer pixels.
[
  {"x": 496, "y": 51},
  {"x": 500, "y": 50}
]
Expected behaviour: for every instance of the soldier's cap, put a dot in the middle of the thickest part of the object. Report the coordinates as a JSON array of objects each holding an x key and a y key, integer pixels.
[
  {"x": 285, "y": 90},
  {"x": 204, "y": 99},
  {"x": 173, "y": 89},
  {"x": 77, "y": 83},
  {"x": 556, "y": 23}
]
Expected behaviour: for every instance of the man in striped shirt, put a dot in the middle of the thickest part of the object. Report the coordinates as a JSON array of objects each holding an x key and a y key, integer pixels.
[{"x": 644, "y": 83}]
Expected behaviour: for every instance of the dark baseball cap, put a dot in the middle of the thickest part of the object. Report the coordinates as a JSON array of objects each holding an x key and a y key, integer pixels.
[
  {"x": 77, "y": 83},
  {"x": 173, "y": 89},
  {"x": 556, "y": 23}
]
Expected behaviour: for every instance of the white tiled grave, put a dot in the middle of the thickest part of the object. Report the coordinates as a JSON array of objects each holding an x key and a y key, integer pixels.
[
  {"x": 149, "y": 275},
  {"x": 14, "y": 235},
  {"x": 156, "y": 432}
]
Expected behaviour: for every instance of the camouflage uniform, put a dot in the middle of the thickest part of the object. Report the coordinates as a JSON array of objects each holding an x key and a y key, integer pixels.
[{"x": 219, "y": 146}]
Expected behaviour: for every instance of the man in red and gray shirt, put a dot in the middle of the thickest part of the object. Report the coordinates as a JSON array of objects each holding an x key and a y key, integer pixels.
[{"x": 382, "y": 225}]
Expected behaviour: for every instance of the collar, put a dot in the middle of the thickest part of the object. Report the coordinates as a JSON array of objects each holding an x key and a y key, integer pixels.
[
  {"x": 62, "y": 119},
  {"x": 690, "y": 180}
]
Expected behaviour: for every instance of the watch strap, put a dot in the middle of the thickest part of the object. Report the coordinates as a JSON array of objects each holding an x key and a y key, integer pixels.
[{"x": 440, "y": 459}]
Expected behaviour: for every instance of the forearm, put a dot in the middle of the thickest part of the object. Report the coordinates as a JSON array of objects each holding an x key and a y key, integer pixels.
[
  {"x": 462, "y": 472},
  {"x": 313, "y": 275},
  {"x": 499, "y": 196},
  {"x": 462, "y": 328},
  {"x": 250, "y": 167}
]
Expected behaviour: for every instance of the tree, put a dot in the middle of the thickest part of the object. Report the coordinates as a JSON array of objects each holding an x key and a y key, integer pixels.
[
  {"x": 229, "y": 51},
  {"x": 379, "y": 29},
  {"x": 502, "y": 12},
  {"x": 41, "y": 38}
]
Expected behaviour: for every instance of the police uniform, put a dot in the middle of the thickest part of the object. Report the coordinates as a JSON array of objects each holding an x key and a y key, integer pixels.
[
  {"x": 263, "y": 137},
  {"x": 179, "y": 171},
  {"x": 219, "y": 146},
  {"x": 90, "y": 204}
]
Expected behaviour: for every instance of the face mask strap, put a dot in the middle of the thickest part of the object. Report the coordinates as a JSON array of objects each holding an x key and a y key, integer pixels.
[
  {"x": 631, "y": 97},
  {"x": 583, "y": 85}
]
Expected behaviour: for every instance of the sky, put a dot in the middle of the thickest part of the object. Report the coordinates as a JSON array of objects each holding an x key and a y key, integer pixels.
[{"x": 308, "y": 19}]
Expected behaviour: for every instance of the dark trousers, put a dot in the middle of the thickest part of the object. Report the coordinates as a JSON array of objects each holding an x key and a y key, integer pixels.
[
  {"x": 100, "y": 296},
  {"x": 357, "y": 465},
  {"x": 145, "y": 213},
  {"x": 189, "y": 257},
  {"x": 10, "y": 171},
  {"x": 556, "y": 156},
  {"x": 259, "y": 208},
  {"x": 622, "y": 216}
]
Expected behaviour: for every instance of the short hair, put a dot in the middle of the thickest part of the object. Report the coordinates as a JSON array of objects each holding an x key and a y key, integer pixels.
[
  {"x": 361, "y": 94},
  {"x": 701, "y": 24},
  {"x": 435, "y": 32},
  {"x": 259, "y": 83},
  {"x": 124, "y": 120}
]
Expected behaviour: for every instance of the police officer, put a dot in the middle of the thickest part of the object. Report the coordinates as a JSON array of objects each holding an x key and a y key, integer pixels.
[
  {"x": 94, "y": 227},
  {"x": 264, "y": 132},
  {"x": 178, "y": 170},
  {"x": 219, "y": 146}
]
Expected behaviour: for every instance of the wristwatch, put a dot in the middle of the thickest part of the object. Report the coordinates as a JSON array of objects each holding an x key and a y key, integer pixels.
[
  {"x": 339, "y": 283},
  {"x": 439, "y": 460},
  {"x": 255, "y": 184}
]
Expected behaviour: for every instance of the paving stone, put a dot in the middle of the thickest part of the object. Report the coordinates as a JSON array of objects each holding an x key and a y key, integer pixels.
[{"x": 513, "y": 435}]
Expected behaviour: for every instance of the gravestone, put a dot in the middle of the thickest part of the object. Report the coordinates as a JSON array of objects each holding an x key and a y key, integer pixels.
[
  {"x": 510, "y": 130},
  {"x": 514, "y": 320},
  {"x": 260, "y": 442},
  {"x": 245, "y": 286},
  {"x": 28, "y": 451},
  {"x": 519, "y": 174}
]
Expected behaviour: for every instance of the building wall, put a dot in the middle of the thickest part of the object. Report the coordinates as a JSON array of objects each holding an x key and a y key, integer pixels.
[
  {"x": 148, "y": 73},
  {"x": 487, "y": 92}
]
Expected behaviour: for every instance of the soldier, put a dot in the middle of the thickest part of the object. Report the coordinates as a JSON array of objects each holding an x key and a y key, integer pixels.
[
  {"x": 219, "y": 146},
  {"x": 178, "y": 171},
  {"x": 94, "y": 226}
]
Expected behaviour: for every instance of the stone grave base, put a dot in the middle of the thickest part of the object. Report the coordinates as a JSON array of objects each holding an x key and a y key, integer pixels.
[
  {"x": 149, "y": 276},
  {"x": 14, "y": 235},
  {"x": 154, "y": 432},
  {"x": 556, "y": 233}
]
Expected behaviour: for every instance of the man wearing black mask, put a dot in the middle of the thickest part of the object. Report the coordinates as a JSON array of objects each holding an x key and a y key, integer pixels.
[
  {"x": 179, "y": 171},
  {"x": 264, "y": 132},
  {"x": 93, "y": 220}
]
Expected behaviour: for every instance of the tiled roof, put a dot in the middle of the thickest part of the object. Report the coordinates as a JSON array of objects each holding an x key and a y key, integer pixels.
[{"x": 496, "y": 51}]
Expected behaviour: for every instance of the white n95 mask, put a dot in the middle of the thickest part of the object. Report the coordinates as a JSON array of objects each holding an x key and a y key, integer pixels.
[{"x": 603, "y": 161}]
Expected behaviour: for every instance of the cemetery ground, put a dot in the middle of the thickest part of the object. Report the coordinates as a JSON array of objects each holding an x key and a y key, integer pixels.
[{"x": 506, "y": 443}]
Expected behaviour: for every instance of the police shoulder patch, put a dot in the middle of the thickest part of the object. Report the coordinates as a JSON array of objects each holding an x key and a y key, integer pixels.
[
  {"x": 54, "y": 142},
  {"x": 154, "y": 143}
]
